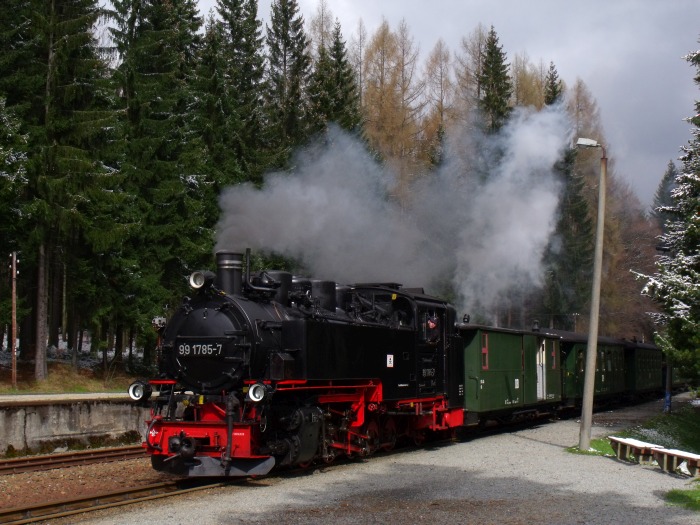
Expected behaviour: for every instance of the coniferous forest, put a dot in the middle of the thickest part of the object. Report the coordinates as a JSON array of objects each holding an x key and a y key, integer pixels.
[{"x": 121, "y": 126}]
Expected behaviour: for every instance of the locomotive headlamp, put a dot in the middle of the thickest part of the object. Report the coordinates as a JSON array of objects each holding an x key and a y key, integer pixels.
[
  {"x": 257, "y": 392},
  {"x": 140, "y": 391},
  {"x": 201, "y": 279}
]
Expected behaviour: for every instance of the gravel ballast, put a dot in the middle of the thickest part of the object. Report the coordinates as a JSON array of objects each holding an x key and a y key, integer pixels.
[{"x": 520, "y": 477}]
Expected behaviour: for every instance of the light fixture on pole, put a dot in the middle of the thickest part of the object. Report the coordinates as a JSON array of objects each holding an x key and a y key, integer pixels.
[{"x": 592, "y": 348}]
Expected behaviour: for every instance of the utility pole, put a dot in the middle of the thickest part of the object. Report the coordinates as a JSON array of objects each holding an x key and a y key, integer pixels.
[
  {"x": 592, "y": 348},
  {"x": 13, "y": 335}
]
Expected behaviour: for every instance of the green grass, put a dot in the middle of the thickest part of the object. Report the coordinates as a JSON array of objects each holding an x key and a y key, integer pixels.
[
  {"x": 63, "y": 379},
  {"x": 686, "y": 498},
  {"x": 678, "y": 430},
  {"x": 598, "y": 447}
]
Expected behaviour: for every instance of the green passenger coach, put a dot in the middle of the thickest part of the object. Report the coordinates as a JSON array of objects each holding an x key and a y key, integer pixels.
[
  {"x": 642, "y": 364},
  {"x": 509, "y": 374},
  {"x": 610, "y": 373}
]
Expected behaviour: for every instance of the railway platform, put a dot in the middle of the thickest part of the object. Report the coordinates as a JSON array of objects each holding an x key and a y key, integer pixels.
[
  {"x": 32, "y": 423},
  {"x": 51, "y": 399}
]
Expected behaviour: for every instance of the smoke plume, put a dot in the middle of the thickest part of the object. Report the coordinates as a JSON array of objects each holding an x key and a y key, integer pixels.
[{"x": 479, "y": 225}]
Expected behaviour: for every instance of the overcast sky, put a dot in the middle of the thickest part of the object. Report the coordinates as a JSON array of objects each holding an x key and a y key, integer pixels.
[{"x": 628, "y": 52}]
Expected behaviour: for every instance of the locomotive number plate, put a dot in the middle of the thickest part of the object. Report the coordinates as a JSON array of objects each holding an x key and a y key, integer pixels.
[{"x": 196, "y": 349}]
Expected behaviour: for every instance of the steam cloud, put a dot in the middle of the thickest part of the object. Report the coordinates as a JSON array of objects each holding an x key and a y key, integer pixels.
[{"x": 478, "y": 226}]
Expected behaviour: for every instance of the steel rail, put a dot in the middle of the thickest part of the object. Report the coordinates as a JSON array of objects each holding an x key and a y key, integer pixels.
[
  {"x": 68, "y": 459},
  {"x": 107, "y": 500}
]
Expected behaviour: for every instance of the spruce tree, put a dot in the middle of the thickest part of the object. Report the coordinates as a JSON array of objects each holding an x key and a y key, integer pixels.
[
  {"x": 13, "y": 177},
  {"x": 54, "y": 80},
  {"x": 287, "y": 77},
  {"x": 569, "y": 255},
  {"x": 13, "y": 180},
  {"x": 217, "y": 122},
  {"x": 436, "y": 149},
  {"x": 553, "y": 87},
  {"x": 242, "y": 62},
  {"x": 333, "y": 92},
  {"x": 321, "y": 92},
  {"x": 82, "y": 179},
  {"x": 346, "y": 102},
  {"x": 663, "y": 198},
  {"x": 22, "y": 79},
  {"x": 23, "y": 84},
  {"x": 495, "y": 84},
  {"x": 676, "y": 287},
  {"x": 173, "y": 206}
]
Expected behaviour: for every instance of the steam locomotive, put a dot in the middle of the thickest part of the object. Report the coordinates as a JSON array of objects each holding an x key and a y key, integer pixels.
[{"x": 265, "y": 370}]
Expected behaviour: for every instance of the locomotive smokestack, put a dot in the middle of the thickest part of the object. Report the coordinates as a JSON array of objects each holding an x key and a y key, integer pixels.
[{"x": 230, "y": 272}]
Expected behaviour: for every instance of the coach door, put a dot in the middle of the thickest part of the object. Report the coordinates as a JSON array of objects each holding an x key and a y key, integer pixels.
[{"x": 542, "y": 370}]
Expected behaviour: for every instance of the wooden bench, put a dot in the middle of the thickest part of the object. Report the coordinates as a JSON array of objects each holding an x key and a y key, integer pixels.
[
  {"x": 626, "y": 447},
  {"x": 669, "y": 460}
]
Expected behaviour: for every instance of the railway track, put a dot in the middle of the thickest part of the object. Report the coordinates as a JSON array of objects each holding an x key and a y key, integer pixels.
[
  {"x": 69, "y": 459},
  {"x": 107, "y": 500}
]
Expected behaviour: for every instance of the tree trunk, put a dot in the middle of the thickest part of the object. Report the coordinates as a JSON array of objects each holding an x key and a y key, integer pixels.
[
  {"x": 132, "y": 336},
  {"x": 73, "y": 338},
  {"x": 40, "y": 365},
  {"x": 119, "y": 345},
  {"x": 55, "y": 302},
  {"x": 147, "y": 355},
  {"x": 79, "y": 348},
  {"x": 27, "y": 346}
]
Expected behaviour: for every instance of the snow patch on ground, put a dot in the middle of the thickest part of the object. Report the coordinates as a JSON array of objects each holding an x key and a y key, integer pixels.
[{"x": 86, "y": 358}]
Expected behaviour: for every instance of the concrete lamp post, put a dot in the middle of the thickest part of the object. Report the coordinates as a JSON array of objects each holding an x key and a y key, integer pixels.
[{"x": 584, "y": 442}]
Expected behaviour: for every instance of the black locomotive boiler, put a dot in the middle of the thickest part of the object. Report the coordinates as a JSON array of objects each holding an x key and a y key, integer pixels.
[{"x": 268, "y": 369}]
